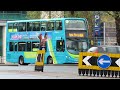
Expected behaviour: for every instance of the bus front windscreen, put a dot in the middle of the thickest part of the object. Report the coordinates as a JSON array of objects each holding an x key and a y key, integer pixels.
[
  {"x": 75, "y": 46},
  {"x": 75, "y": 25}
]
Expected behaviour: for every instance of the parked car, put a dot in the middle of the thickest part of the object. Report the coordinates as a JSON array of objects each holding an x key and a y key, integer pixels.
[{"x": 105, "y": 49}]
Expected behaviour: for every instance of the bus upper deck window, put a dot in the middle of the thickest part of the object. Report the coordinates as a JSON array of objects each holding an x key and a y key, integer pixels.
[
  {"x": 36, "y": 26},
  {"x": 50, "y": 26},
  {"x": 58, "y": 25},
  {"x": 29, "y": 26},
  {"x": 15, "y": 27},
  {"x": 22, "y": 26},
  {"x": 43, "y": 26},
  {"x": 10, "y": 27}
]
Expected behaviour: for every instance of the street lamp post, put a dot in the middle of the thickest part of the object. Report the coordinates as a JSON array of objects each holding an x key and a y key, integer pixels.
[{"x": 104, "y": 32}]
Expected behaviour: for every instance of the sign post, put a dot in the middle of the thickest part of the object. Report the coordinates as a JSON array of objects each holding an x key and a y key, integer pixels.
[
  {"x": 104, "y": 32},
  {"x": 97, "y": 25}
]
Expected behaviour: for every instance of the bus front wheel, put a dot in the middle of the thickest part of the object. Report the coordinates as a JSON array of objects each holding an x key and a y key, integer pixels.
[
  {"x": 49, "y": 60},
  {"x": 21, "y": 61}
]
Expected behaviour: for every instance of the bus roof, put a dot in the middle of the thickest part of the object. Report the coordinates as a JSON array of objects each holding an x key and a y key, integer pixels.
[{"x": 43, "y": 19}]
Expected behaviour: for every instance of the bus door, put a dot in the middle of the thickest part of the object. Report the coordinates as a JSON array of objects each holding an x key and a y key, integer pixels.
[{"x": 60, "y": 49}]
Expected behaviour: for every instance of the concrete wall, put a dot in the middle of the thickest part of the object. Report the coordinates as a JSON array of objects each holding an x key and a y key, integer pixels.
[
  {"x": 3, "y": 24},
  {"x": 4, "y": 43}
]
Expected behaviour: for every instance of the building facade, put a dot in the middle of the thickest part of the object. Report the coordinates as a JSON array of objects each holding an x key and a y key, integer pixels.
[
  {"x": 110, "y": 35},
  {"x": 4, "y": 17}
]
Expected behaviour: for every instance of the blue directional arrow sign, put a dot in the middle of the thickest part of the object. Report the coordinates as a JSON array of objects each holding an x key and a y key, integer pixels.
[{"x": 104, "y": 61}]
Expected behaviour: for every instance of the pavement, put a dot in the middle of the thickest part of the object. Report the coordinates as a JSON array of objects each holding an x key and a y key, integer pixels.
[
  {"x": 8, "y": 64},
  {"x": 56, "y": 64},
  {"x": 15, "y": 64}
]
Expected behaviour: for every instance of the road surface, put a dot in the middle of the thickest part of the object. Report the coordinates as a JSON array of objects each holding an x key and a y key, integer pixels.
[{"x": 50, "y": 72}]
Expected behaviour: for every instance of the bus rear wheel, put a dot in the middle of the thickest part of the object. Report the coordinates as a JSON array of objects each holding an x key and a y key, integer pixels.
[
  {"x": 49, "y": 60},
  {"x": 21, "y": 61}
]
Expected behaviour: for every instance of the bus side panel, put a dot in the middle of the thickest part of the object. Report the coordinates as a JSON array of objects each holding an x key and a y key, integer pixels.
[
  {"x": 50, "y": 50},
  {"x": 30, "y": 57},
  {"x": 31, "y": 60},
  {"x": 11, "y": 57},
  {"x": 60, "y": 57},
  {"x": 71, "y": 58}
]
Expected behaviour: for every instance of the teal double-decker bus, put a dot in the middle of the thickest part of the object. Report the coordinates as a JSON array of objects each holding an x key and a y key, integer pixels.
[{"x": 66, "y": 37}]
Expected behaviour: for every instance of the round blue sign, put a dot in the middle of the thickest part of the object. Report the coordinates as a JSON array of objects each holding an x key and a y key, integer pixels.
[{"x": 104, "y": 61}]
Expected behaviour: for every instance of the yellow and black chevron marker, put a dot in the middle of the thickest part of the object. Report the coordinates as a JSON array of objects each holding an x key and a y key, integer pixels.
[
  {"x": 97, "y": 64},
  {"x": 39, "y": 65}
]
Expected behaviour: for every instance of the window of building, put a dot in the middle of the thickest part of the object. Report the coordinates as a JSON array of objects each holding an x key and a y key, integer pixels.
[
  {"x": 23, "y": 12},
  {"x": 1, "y": 11},
  {"x": 12, "y": 11},
  {"x": 60, "y": 46}
]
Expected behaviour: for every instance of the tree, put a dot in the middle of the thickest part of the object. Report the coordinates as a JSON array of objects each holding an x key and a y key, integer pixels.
[
  {"x": 49, "y": 14},
  {"x": 33, "y": 14},
  {"x": 116, "y": 16}
]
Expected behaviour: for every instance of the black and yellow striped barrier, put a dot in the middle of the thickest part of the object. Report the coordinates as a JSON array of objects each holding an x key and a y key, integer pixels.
[
  {"x": 90, "y": 64},
  {"x": 39, "y": 65}
]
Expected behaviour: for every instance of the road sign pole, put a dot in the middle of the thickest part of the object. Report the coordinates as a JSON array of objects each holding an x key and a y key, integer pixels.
[{"x": 104, "y": 32}]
